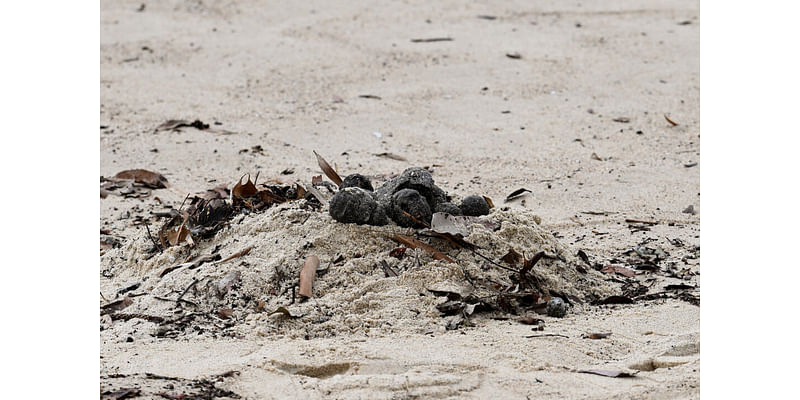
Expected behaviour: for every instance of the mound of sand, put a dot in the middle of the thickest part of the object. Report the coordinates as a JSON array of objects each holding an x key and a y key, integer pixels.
[{"x": 353, "y": 292}]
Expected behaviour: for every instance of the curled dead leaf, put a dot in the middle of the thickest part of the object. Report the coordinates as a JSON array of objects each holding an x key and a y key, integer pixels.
[
  {"x": 144, "y": 177},
  {"x": 329, "y": 172},
  {"x": 246, "y": 190}
]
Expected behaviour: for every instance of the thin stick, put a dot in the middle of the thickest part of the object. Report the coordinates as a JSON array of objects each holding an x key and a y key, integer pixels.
[
  {"x": 547, "y": 335},
  {"x": 194, "y": 282},
  {"x": 184, "y": 201},
  {"x": 158, "y": 246}
]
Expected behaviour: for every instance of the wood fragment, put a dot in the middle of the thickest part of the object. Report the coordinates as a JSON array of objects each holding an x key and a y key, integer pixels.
[
  {"x": 639, "y": 221},
  {"x": 610, "y": 374},
  {"x": 673, "y": 123},
  {"x": 238, "y": 254},
  {"x": 546, "y": 335},
  {"x": 328, "y": 170},
  {"x": 307, "y": 276},
  {"x": 416, "y": 244},
  {"x": 430, "y": 40}
]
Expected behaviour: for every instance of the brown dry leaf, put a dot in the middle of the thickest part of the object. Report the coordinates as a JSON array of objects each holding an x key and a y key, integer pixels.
[
  {"x": 329, "y": 172},
  {"x": 225, "y": 313},
  {"x": 115, "y": 306},
  {"x": 283, "y": 310},
  {"x": 530, "y": 321},
  {"x": 528, "y": 265},
  {"x": 618, "y": 269},
  {"x": 316, "y": 179},
  {"x": 512, "y": 257},
  {"x": 147, "y": 178},
  {"x": 246, "y": 190},
  {"x": 307, "y": 276},
  {"x": 516, "y": 194},
  {"x": 416, "y": 244},
  {"x": 597, "y": 335},
  {"x": 176, "y": 236},
  {"x": 489, "y": 200},
  {"x": 608, "y": 373},
  {"x": 398, "y": 252}
]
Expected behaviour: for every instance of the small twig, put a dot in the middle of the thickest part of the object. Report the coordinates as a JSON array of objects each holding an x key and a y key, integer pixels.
[
  {"x": 156, "y": 244},
  {"x": 240, "y": 253},
  {"x": 191, "y": 285},
  {"x": 640, "y": 221},
  {"x": 547, "y": 335},
  {"x": 184, "y": 201}
]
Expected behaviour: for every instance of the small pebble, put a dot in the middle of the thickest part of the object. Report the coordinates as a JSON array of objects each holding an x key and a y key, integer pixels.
[
  {"x": 556, "y": 307},
  {"x": 474, "y": 206}
]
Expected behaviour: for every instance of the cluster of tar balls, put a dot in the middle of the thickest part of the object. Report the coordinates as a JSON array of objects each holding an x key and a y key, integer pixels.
[{"x": 409, "y": 200}]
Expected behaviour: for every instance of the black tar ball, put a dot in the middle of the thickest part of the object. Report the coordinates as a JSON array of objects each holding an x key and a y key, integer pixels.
[
  {"x": 411, "y": 202},
  {"x": 352, "y": 205},
  {"x": 449, "y": 208},
  {"x": 474, "y": 206},
  {"x": 357, "y": 180}
]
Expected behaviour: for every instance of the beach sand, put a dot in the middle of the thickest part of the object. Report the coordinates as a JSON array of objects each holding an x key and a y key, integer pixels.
[{"x": 566, "y": 99}]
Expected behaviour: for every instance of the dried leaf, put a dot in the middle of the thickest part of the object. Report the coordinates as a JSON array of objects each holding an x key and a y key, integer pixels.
[
  {"x": 246, "y": 190},
  {"x": 597, "y": 335},
  {"x": 398, "y": 252},
  {"x": 177, "y": 235},
  {"x": 329, "y": 172},
  {"x": 283, "y": 310},
  {"x": 516, "y": 194},
  {"x": 147, "y": 178},
  {"x": 316, "y": 179},
  {"x": 489, "y": 200},
  {"x": 596, "y": 157},
  {"x": 618, "y": 269},
  {"x": 512, "y": 257},
  {"x": 116, "y": 305},
  {"x": 225, "y": 313},
  {"x": 124, "y": 393},
  {"x": 307, "y": 276},
  {"x": 529, "y": 264},
  {"x": 416, "y": 244},
  {"x": 458, "y": 224},
  {"x": 530, "y": 321},
  {"x": 608, "y": 373}
]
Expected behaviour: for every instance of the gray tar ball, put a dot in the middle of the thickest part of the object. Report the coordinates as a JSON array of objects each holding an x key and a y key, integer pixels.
[
  {"x": 352, "y": 205},
  {"x": 449, "y": 208},
  {"x": 412, "y": 202},
  {"x": 357, "y": 180},
  {"x": 556, "y": 307},
  {"x": 474, "y": 206}
]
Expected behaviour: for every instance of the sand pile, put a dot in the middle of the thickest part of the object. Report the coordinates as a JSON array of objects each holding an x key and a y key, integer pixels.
[{"x": 354, "y": 291}]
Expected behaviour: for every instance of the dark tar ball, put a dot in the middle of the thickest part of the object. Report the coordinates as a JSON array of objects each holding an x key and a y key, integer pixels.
[
  {"x": 352, "y": 205},
  {"x": 357, "y": 180},
  {"x": 474, "y": 206},
  {"x": 556, "y": 307},
  {"x": 449, "y": 208},
  {"x": 410, "y": 201}
]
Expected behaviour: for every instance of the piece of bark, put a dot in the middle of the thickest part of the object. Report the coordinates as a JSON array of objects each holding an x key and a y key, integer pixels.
[{"x": 307, "y": 276}]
